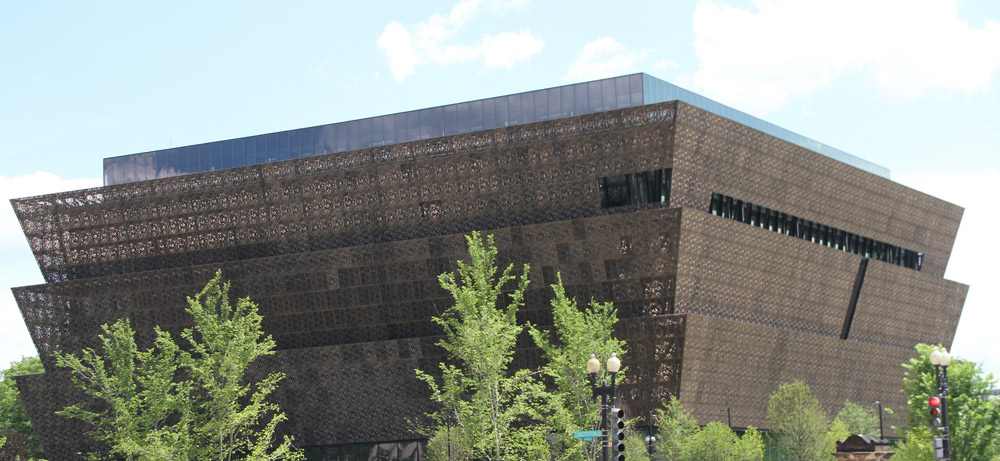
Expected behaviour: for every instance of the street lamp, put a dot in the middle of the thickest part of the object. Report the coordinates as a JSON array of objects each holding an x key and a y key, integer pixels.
[
  {"x": 729, "y": 416},
  {"x": 650, "y": 439},
  {"x": 448, "y": 422},
  {"x": 881, "y": 435},
  {"x": 606, "y": 392},
  {"x": 940, "y": 358}
]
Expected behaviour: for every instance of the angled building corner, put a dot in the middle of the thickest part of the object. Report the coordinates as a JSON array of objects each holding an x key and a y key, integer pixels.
[{"x": 739, "y": 255}]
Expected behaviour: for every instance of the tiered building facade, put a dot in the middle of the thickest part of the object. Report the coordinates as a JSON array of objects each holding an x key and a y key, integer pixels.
[{"x": 739, "y": 255}]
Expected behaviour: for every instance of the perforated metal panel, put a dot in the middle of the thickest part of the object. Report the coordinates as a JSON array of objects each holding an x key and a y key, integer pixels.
[
  {"x": 738, "y": 272},
  {"x": 492, "y": 179},
  {"x": 739, "y": 365},
  {"x": 342, "y": 252},
  {"x": 713, "y": 154}
]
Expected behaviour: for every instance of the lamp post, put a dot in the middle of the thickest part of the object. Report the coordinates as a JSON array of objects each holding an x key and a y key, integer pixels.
[
  {"x": 448, "y": 422},
  {"x": 729, "y": 416},
  {"x": 881, "y": 435},
  {"x": 940, "y": 358},
  {"x": 650, "y": 440},
  {"x": 606, "y": 392}
]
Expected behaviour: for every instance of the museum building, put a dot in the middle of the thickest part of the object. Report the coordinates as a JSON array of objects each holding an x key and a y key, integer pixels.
[{"x": 739, "y": 255}]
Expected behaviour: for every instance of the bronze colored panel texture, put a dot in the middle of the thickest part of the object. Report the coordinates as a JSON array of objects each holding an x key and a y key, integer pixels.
[
  {"x": 342, "y": 252},
  {"x": 713, "y": 154},
  {"x": 727, "y": 269},
  {"x": 739, "y": 365},
  {"x": 372, "y": 292},
  {"x": 899, "y": 307},
  {"x": 730, "y": 270},
  {"x": 519, "y": 175}
]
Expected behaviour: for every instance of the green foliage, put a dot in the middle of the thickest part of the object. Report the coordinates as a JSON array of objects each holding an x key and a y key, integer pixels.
[
  {"x": 858, "y": 419},
  {"x": 680, "y": 439},
  {"x": 717, "y": 442},
  {"x": 12, "y": 414},
  {"x": 713, "y": 442},
  {"x": 578, "y": 334},
  {"x": 852, "y": 418},
  {"x": 916, "y": 447},
  {"x": 838, "y": 433},
  {"x": 676, "y": 425},
  {"x": 973, "y": 422},
  {"x": 439, "y": 442},
  {"x": 169, "y": 402},
  {"x": 635, "y": 446},
  {"x": 798, "y": 421},
  {"x": 751, "y": 446},
  {"x": 498, "y": 412},
  {"x": 16, "y": 447}
]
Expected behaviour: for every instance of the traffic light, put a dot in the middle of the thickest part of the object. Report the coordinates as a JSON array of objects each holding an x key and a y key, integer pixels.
[
  {"x": 935, "y": 403},
  {"x": 617, "y": 434}
]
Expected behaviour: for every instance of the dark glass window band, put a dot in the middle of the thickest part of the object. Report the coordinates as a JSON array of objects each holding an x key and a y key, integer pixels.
[
  {"x": 783, "y": 223},
  {"x": 635, "y": 188}
]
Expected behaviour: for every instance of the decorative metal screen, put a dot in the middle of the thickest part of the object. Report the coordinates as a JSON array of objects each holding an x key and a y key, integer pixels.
[{"x": 342, "y": 251}]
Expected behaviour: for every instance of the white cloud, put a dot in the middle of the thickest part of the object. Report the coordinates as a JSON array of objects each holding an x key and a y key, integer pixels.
[
  {"x": 397, "y": 44},
  {"x": 508, "y": 48},
  {"x": 973, "y": 259},
  {"x": 761, "y": 59},
  {"x": 604, "y": 57},
  {"x": 434, "y": 41},
  {"x": 666, "y": 64},
  {"x": 19, "y": 268},
  {"x": 502, "y": 5}
]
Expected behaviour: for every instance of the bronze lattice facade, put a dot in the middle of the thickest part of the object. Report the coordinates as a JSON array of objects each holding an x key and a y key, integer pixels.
[{"x": 342, "y": 251}]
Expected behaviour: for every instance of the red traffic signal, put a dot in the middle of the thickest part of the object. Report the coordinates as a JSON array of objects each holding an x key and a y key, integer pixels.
[
  {"x": 935, "y": 403},
  {"x": 619, "y": 416}
]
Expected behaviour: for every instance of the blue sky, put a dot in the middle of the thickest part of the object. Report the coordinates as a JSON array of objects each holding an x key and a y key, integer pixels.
[{"x": 911, "y": 85}]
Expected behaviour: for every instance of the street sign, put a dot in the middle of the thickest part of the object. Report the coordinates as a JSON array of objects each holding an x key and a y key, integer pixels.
[{"x": 589, "y": 436}]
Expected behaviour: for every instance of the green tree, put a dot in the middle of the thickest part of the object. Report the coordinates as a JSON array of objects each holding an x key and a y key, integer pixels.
[
  {"x": 916, "y": 446},
  {"x": 578, "y": 334},
  {"x": 13, "y": 418},
  {"x": 16, "y": 447},
  {"x": 852, "y": 418},
  {"x": 676, "y": 426},
  {"x": 680, "y": 439},
  {"x": 798, "y": 421},
  {"x": 442, "y": 439},
  {"x": 635, "y": 446},
  {"x": 973, "y": 421},
  {"x": 751, "y": 446},
  {"x": 838, "y": 433},
  {"x": 717, "y": 442},
  {"x": 858, "y": 419},
  {"x": 497, "y": 411},
  {"x": 195, "y": 402}
]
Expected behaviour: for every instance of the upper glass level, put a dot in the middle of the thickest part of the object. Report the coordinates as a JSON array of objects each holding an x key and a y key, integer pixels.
[
  {"x": 655, "y": 90},
  {"x": 484, "y": 114}
]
